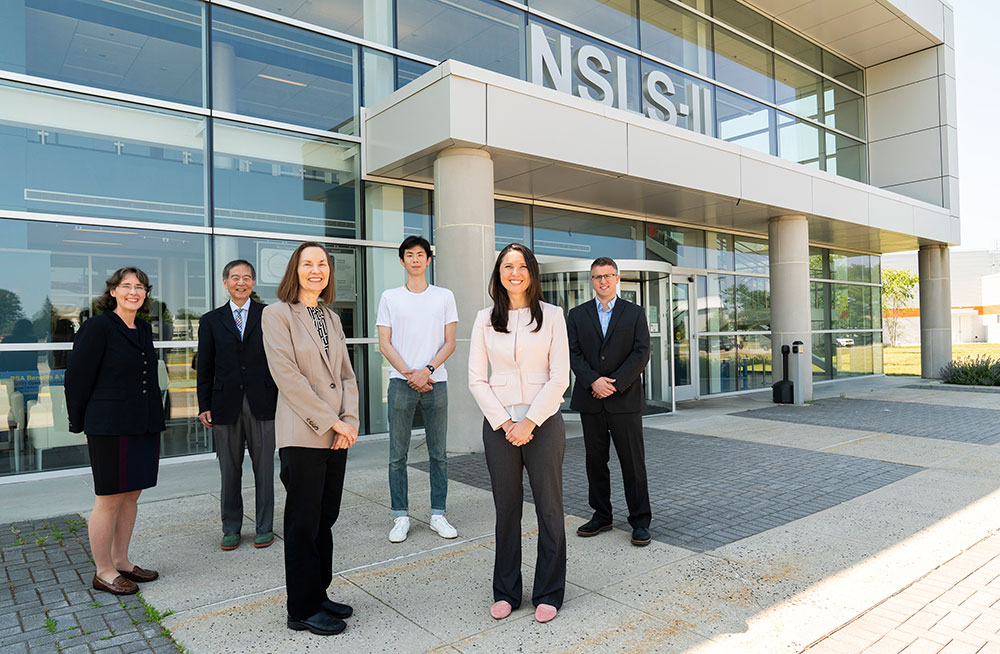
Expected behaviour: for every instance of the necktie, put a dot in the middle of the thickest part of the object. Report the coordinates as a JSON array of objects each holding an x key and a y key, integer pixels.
[{"x": 239, "y": 321}]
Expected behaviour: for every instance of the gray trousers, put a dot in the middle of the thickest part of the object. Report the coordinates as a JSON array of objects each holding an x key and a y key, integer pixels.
[{"x": 257, "y": 436}]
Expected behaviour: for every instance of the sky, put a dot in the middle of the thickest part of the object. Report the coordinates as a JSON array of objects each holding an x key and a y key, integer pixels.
[{"x": 977, "y": 63}]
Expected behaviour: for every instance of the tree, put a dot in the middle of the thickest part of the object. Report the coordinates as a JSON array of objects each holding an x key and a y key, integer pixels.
[
  {"x": 897, "y": 292},
  {"x": 10, "y": 310}
]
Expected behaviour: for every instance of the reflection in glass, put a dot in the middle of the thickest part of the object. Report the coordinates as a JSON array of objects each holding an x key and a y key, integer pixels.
[
  {"x": 843, "y": 109},
  {"x": 478, "y": 32},
  {"x": 822, "y": 357},
  {"x": 559, "y": 233},
  {"x": 150, "y": 48},
  {"x": 676, "y": 35},
  {"x": 719, "y": 251},
  {"x": 852, "y": 354},
  {"x": 819, "y": 293},
  {"x": 744, "y": 122},
  {"x": 680, "y": 246},
  {"x": 851, "y": 306},
  {"x": 717, "y": 359},
  {"x": 843, "y": 71},
  {"x": 846, "y": 157},
  {"x": 799, "y": 47},
  {"x": 753, "y": 361},
  {"x": 752, "y": 255},
  {"x": 692, "y": 100},
  {"x": 379, "y": 74},
  {"x": 513, "y": 224},
  {"x": 63, "y": 154},
  {"x": 743, "y": 65},
  {"x": 408, "y": 70},
  {"x": 798, "y": 140},
  {"x": 743, "y": 18},
  {"x": 278, "y": 72},
  {"x": 719, "y": 304},
  {"x": 614, "y": 19},
  {"x": 681, "y": 312},
  {"x": 271, "y": 180},
  {"x": 849, "y": 266},
  {"x": 817, "y": 263},
  {"x": 796, "y": 89},
  {"x": 346, "y": 16},
  {"x": 752, "y": 298}
]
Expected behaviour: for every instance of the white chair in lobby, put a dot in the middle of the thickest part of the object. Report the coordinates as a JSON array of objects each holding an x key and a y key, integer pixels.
[{"x": 51, "y": 402}]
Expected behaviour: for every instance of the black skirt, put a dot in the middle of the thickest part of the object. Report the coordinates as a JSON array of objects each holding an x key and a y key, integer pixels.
[{"x": 124, "y": 463}]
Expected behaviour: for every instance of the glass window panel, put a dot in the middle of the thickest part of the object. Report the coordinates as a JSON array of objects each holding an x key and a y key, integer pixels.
[
  {"x": 680, "y": 246},
  {"x": 798, "y": 140},
  {"x": 877, "y": 362},
  {"x": 849, "y": 266},
  {"x": 275, "y": 181},
  {"x": 379, "y": 74},
  {"x": 876, "y": 307},
  {"x": 478, "y": 32},
  {"x": 744, "y": 122},
  {"x": 843, "y": 109},
  {"x": 717, "y": 359},
  {"x": 150, "y": 48},
  {"x": 270, "y": 256},
  {"x": 876, "y": 269},
  {"x": 744, "y": 65},
  {"x": 559, "y": 234},
  {"x": 632, "y": 99},
  {"x": 817, "y": 263},
  {"x": 852, "y": 354},
  {"x": 852, "y": 307},
  {"x": 346, "y": 16},
  {"x": 843, "y": 71},
  {"x": 704, "y": 6},
  {"x": 63, "y": 154},
  {"x": 752, "y": 297},
  {"x": 278, "y": 72},
  {"x": 615, "y": 19},
  {"x": 752, "y": 255},
  {"x": 820, "y": 305},
  {"x": 743, "y": 18},
  {"x": 393, "y": 213},
  {"x": 753, "y": 361},
  {"x": 840, "y": 307},
  {"x": 676, "y": 35},
  {"x": 846, "y": 157},
  {"x": 822, "y": 357},
  {"x": 719, "y": 251},
  {"x": 513, "y": 223},
  {"x": 408, "y": 70},
  {"x": 51, "y": 274},
  {"x": 720, "y": 303},
  {"x": 797, "y": 89},
  {"x": 692, "y": 99},
  {"x": 799, "y": 47}
]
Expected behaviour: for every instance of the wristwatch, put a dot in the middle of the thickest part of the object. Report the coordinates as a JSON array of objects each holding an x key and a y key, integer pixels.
[{"x": 430, "y": 367}]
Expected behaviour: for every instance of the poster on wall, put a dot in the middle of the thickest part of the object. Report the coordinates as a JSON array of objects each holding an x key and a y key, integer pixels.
[{"x": 273, "y": 260}]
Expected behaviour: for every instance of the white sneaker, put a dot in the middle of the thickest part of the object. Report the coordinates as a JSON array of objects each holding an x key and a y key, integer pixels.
[
  {"x": 441, "y": 525},
  {"x": 399, "y": 529}
]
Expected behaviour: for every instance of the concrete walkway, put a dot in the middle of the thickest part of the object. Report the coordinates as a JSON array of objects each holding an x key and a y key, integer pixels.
[{"x": 776, "y": 529}]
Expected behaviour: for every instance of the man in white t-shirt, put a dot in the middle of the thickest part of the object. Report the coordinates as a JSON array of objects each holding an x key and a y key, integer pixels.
[{"x": 416, "y": 333}]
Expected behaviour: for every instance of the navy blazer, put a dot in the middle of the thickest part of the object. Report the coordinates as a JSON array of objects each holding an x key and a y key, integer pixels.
[
  {"x": 622, "y": 355},
  {"x": 111, "y": 379},
  {"x": 229, "y": 367}
]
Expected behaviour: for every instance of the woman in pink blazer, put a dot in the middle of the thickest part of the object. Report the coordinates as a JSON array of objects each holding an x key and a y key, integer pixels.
[{"x": 518, "y": 371}]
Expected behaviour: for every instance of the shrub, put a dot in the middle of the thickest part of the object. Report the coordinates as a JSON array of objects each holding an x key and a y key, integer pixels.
[{"x": 980, "y": 370}]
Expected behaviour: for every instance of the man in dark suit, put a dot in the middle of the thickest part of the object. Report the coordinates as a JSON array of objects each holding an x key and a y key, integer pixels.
[
  {"x": 236, "y": 399},
  {"x": 608, "y": 350}
]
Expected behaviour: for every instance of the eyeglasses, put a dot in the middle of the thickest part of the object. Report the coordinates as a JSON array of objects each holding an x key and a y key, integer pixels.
[
  {"x": 604, "y": 278},
  {"x": 128, "y": 288}
]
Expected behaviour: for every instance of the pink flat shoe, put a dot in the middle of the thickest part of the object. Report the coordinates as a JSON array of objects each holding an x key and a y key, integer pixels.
[
  {"x": 545, "y": 612},
  {"x": 501, "y": 610}
]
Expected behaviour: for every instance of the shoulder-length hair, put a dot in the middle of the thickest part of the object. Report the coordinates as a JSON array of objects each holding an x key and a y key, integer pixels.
[
  {"x": 107, "y": 302},
  {"x": 501, "y": 301},
  {"x": 288, "y": 289}
]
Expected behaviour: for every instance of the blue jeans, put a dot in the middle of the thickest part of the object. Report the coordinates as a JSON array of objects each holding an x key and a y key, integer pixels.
[{"x": 403, "y": 402}]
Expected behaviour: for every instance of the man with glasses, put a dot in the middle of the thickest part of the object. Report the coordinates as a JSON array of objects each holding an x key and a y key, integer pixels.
[
  {"x": 236, "y": 399},
  {"x": 608, "y": 350}
]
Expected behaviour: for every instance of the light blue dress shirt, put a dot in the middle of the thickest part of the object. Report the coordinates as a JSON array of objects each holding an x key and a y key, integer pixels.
[
  {"x": 605, "y": 316},
  {"x": 242, "y": 323}
]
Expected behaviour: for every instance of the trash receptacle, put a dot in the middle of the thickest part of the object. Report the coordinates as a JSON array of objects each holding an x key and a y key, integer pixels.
[{"x": 782, "y": 392}]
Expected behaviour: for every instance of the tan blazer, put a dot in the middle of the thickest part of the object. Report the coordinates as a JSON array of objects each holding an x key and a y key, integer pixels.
[
  {"x": 521, "y": 366},
  {"x": 314, "y": 390}
]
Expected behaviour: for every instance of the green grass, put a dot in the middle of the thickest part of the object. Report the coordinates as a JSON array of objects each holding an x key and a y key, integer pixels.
[{"x": 905, "y": 360}]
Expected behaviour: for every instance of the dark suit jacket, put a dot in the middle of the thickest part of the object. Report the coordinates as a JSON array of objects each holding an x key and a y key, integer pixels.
[
  {"x": 229, "y": 367},
  {"x": 622, "y": 355},
  {"x": 111, "y": 379}
]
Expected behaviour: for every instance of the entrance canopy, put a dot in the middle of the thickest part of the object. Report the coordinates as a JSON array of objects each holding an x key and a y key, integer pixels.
[{"x": 554, "y": 147}]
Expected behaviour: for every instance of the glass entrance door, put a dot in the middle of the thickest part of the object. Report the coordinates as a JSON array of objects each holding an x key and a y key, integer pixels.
[{"x": 683, "y": 344}]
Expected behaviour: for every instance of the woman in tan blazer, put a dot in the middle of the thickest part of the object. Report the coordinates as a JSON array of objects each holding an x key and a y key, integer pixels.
[
  {"x": 518, "y": 372},
  {"x": 315, "y": 421}
]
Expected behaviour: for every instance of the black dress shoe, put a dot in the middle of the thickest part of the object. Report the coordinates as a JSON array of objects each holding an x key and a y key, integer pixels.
[
  {"x": 320, "y": 623},
  {"x": 337, "y": 610},
  {"x": 591, "y": 528},
  {"x": 640, "y": 537}
]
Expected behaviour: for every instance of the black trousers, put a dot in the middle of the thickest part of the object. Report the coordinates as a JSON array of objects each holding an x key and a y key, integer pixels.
[
  {"x": 543, "y": 458},
  {"x": 314, "y": 481},
  {"x": 625, "y": 429}
]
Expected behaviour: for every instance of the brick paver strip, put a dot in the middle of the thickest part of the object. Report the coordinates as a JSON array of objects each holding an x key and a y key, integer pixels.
[
  {"x": 47, "y": 603},
  {"x": 950, "y": 423},
  {"x": 707, "y": 492}
]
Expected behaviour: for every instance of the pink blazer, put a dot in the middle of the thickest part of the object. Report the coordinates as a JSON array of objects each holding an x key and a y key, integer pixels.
[{"x": 521, "y": 366}]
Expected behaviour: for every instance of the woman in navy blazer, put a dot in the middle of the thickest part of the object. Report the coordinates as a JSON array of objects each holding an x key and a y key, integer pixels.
[{"x": 112, "y": 395}]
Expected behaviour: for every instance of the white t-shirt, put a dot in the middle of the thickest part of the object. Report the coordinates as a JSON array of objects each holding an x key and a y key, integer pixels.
[{"x": 417, "y": 321}]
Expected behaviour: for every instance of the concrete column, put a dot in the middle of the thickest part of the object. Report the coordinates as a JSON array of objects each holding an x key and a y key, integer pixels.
[
  {"x": 934, "y": 263},
  {"x": 788, "y": 250},
  {"x": 464, "y": 257}
]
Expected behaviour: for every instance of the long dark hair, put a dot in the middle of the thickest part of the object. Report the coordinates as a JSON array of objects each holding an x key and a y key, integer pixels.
[
  {"x": 288, "y": 289},
  {"x": 501, "y": 301},
  {"x": 107, "y": 301}
]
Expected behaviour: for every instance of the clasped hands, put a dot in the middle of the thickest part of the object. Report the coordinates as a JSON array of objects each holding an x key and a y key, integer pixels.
[
  {"x": 419, "y": 380},
  {"x": 603, "y": 387},
  {"x": 519, "y": 433},
  {"x": 344, "y": 435}
]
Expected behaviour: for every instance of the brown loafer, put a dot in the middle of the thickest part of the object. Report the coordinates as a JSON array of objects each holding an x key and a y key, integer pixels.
[
  {"x": 120, "y": 586},
  {"x": 138, "y": 575}
]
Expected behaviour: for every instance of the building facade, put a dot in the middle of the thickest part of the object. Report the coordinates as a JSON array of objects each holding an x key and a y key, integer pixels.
[{"x": 747, "y": 161}]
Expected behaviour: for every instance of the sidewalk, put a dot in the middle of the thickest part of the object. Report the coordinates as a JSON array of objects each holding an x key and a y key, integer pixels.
[{"x": 865, "y": 520}]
